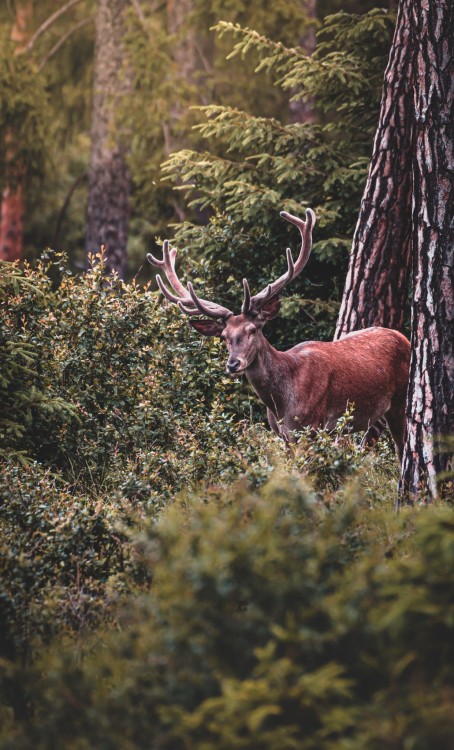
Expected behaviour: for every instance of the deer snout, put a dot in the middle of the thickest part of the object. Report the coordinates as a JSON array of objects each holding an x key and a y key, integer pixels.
[{"x": 233, "y": 365}]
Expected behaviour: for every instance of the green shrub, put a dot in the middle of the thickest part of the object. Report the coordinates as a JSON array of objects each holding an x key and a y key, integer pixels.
[
  {"x": 101, "y": 378},
  {"x": 63, "y": 559},
  {"x": 268, "y": 626},
  {"x": 27, "y": 394}
]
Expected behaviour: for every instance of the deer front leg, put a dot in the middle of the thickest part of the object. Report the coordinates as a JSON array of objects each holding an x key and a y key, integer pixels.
[{"x": 279, "y": 428}]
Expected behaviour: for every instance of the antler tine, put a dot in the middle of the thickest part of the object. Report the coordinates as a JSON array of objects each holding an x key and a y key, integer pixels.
[
  {"x": 208, "y": 308},
  {"x": 168, "y": 266},
  {"x": 246, "y": 306},
  {"x": 187, "y": 300},
  {"x": 305, "y": 228},
  {"x": 293, "y": 268},
  {"x": 168, "y": 295}
]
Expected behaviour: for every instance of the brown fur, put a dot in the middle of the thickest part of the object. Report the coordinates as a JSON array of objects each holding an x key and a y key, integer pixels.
[{"x": 313, "y": 383}]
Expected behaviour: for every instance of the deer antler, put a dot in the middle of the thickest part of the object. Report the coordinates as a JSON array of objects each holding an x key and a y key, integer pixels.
[
  {"x": 254, "y": 304},
  {"x": 186, "y": 298}
]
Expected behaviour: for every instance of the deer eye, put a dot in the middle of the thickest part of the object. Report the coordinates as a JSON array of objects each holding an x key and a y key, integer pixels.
[{"x": 252, "y": 330}]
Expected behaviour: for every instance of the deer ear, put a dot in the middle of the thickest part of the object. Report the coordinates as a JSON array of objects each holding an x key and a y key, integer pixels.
[
  {"x": 207, "y": 327},
  {"x": 271, "y": 308}
]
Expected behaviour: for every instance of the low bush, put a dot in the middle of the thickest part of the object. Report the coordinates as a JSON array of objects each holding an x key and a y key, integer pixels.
[
  {"x": 101, "y": 378},
  {"x": 273, "y": 622},
  {"x": 167, "y": 578},
  {"x": 64, "y": 559}
]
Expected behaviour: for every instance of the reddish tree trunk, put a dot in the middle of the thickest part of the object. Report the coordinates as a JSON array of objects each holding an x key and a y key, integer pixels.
[
  {"x": 12, "y": 223},
  {"x": 376, "y": 286},
  {"x": 430, "y": 405},
  {"x": 13, "y": 196}
]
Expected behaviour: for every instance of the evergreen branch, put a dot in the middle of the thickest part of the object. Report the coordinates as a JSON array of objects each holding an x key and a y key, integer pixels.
[{"x": 252, "y": 38}]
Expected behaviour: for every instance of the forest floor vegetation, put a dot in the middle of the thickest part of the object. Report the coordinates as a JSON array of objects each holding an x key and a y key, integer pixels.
[{"x": 170, "y": 576}]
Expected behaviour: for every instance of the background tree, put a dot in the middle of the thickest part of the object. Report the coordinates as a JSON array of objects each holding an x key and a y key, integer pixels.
[
  {"x": 109, "y": 176},
  {"x": 407, "y": 208},
  {"x": 376, "y": 288},
  {"x": 45, "y": 97},
  {"x": 253, "y": 166},
  {"x": 188, "y": 70}
]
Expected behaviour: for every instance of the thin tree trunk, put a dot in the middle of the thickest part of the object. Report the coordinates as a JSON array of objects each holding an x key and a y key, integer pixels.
[
  {"x": 303, "y": 111},
  {"x": 12, "y": 222},
  {"x": 185, "y": 57},
  {"x": 376, "y": 286},
  {"x": 109, "y": 177},
  {"x": 13, "y": 196},
  {"x": 188, "y": 51},
  {"x": 430, "y": 405}
]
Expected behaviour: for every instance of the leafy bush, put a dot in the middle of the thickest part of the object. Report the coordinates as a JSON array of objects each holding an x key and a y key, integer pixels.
[
  {"x": 100, "y": 377},
  {"x": 273, "y": 622},
  {"x": 27, "y": 393},
  {"x": 63, "y": 557}
]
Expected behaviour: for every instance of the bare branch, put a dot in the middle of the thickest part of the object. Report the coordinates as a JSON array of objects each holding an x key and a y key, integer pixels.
[
  {"x": 62, "y": 41},
  {"x": 141, "y": 15},
  {"x": 66, "y": 203},
  {"x": 49, "y": 21},
  {"x": 139, "y": 12}
]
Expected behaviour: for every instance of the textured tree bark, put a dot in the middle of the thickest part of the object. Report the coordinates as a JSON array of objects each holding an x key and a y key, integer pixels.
[
  {"x": 430, "y": 405},
  {"x": 13, "y": 196},
  {"x": 376, "y": 285},
  {"x": 109, "y": 179}
]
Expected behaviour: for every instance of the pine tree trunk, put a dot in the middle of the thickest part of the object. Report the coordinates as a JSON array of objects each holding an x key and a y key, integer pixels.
[
  {"x": 376, "y": 286},
  {"x": 184, "y": 51},
  {"x": 13, "y": 196},
  {"x": 109, "y": 178},
  {"x": 430, "y": 405},
  {"x": 188, "y": 51}
]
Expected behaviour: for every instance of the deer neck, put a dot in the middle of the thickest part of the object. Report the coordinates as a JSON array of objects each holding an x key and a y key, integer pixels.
[{"x": 269, "y": 376}]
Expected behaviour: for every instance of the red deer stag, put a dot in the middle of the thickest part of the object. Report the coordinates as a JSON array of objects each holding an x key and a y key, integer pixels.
[{"x": 312, "y": 383}]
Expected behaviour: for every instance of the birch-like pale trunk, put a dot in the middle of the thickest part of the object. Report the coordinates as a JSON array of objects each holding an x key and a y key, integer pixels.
[
  {"x": 430, "y": 404},
  {"x": 109, "y": 182},
  {"x": 376, "y": 286}
]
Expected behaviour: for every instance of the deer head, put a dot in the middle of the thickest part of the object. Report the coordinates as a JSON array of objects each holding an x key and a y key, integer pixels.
[{"x": 242, "y": 333}]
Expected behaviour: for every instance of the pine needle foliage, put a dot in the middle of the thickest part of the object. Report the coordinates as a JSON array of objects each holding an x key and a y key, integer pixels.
[{"x": 252, "y": 167}]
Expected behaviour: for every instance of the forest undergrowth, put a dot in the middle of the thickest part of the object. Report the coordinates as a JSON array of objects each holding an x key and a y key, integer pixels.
[{"x": 170, "y": 576}]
